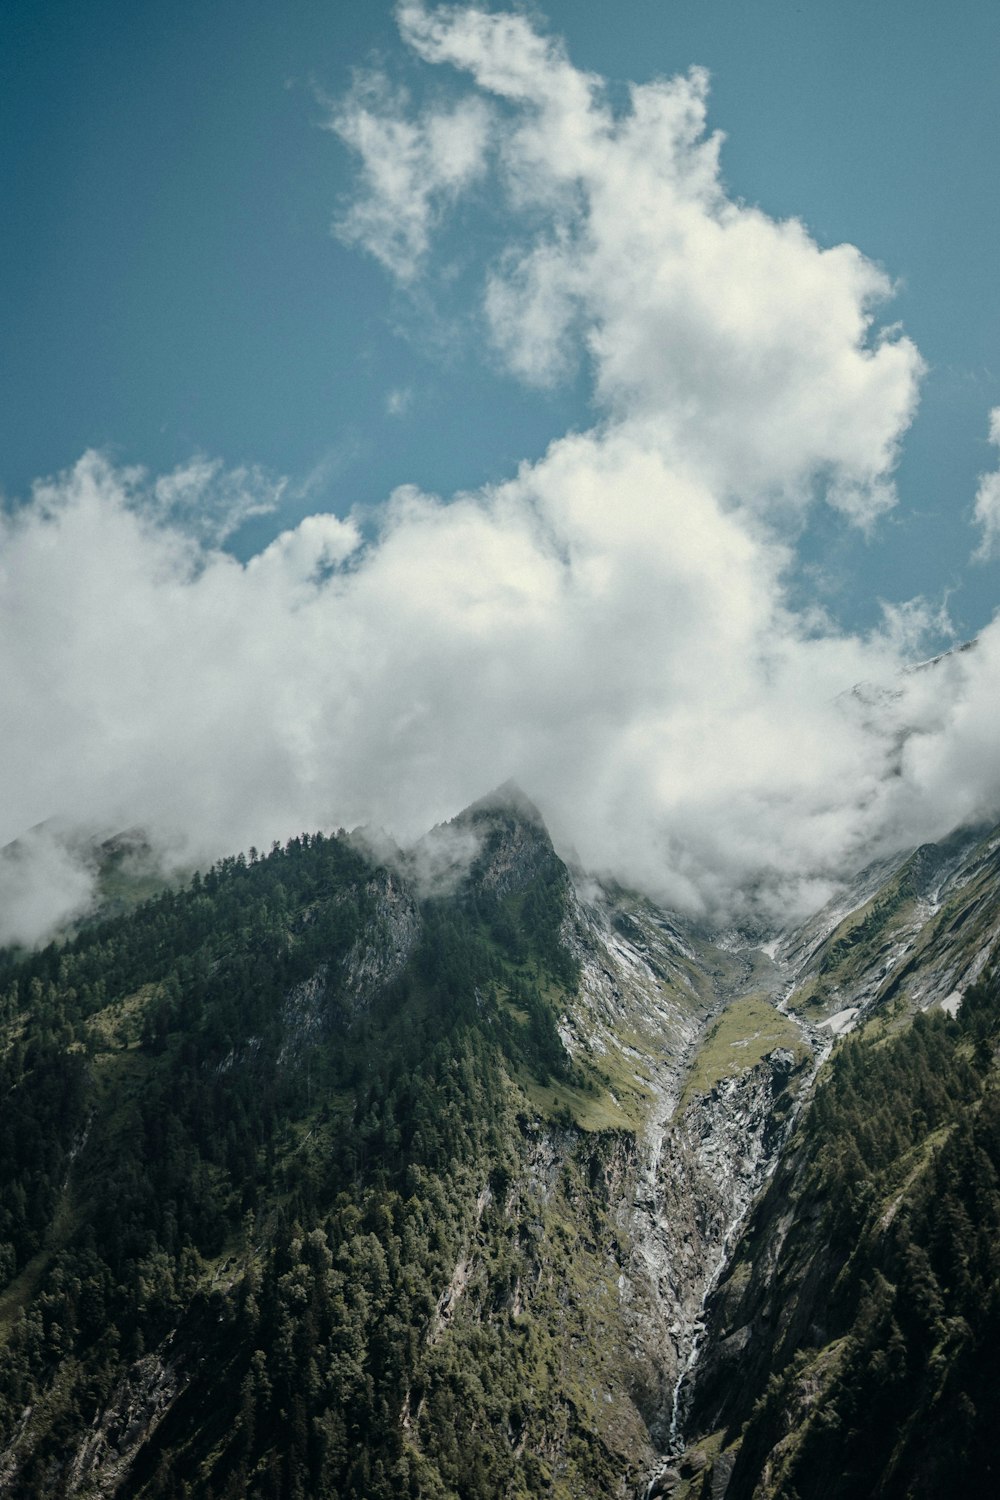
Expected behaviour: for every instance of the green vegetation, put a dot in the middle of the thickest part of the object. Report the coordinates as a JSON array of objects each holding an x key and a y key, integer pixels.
[
  {"x": 263, "y": 1148},
  {"x": 884, "y": 947},
  {"x": 303, "y": 1198},
  {"x": 746, "y": 1032},
  {"x": 878, "y": 1376},
  {"x": 848, "y": 949}
]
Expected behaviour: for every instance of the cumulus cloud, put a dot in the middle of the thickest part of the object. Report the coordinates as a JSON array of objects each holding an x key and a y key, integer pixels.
[
  {"x": 632, "y": 663},
  {"x": 987, "y": 506},
  {"x": 611, "y": 627},
  {"x": 745, "y": 348}
]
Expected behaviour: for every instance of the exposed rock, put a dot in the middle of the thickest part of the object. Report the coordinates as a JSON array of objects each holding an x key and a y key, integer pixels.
[
  {"x": 696, "y": 1193},
  {"x": 722, "y": 1473},
  {"x": 380, "y": 955},
  {"x": 918, "y": 929},
  {"x": 101, "y": 1464},
  {"x": 305, "y": 1014},
  {"x": 376, "y": 959},
  {"x": 513, "y": 854},
  {"x": 665, "y": 1482}
]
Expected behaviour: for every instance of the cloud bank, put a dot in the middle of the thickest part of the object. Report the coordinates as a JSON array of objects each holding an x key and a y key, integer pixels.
[{"x": 612, "y": 626}]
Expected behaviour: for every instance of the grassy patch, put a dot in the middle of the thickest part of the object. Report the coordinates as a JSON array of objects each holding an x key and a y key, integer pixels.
[
  {"x": 589, "y": 1111},
  {"x": 856, "y": 944},
  {"x": 120, "y": 1022},
  {"x": 692, "y": 1485},
  {"x": 745, "y": 1033},
  {"x": 610, "y": 1090},
  {"x": 910, "y": 1167}
]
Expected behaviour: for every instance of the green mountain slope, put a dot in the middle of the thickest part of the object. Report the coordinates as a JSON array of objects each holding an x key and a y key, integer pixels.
[
  {"x": 851, "y": 1345},
  {"x": 912, "y": 933},
  {"x": 344, "y": 1173},
  {"x": 246, "y": 1134},
  {"x": 313, "y": 1183},
  {"x": 855, "y": 1334}
]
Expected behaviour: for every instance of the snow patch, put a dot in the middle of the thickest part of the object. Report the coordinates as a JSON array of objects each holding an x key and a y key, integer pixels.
[{"x": 842, "y": 1021}]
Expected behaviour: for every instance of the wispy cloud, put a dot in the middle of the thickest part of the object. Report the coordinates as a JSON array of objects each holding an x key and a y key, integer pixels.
[
  {"x": 987, "y": 507},
  {"x": 399, "y": 401},
  {"x": 212, "y": 502},
  {"x": 410, "y": 168}
]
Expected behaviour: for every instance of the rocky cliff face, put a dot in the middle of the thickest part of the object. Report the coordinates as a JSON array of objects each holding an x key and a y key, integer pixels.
[
  {"x": 915, "y": 931},
  {"x": 386, "y": 945}
]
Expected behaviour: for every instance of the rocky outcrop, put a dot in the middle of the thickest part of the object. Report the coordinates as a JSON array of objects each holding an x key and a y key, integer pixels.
[
  {"x": 102, "y": 1460},
  {"x": 381, "y": 953},
  {"x": 305, "y": 1015},
  {"x": 514, "y": 844}
]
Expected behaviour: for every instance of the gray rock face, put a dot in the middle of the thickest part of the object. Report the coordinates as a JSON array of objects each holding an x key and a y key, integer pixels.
[
  {"x": 722, "y": 1473},
  {"x": 917, "y": 928},
  {"x": 136, "y": 1408},
  {"x": 512, "y": 854},
  {"x": 381, "y": 954},
  {"x": 377, "y": 958},
  {"x": 665, "y": 1482},
  {"x": 681, "y": 1183},
  {"x": 690, "y": 1203}
]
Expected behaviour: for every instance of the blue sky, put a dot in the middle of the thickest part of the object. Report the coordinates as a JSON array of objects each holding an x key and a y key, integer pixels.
[
  {"x": 395, "y": 401},
  {"x": 171, "y": 286}
]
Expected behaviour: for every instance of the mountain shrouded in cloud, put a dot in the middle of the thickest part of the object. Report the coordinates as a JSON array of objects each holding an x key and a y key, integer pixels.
[{"x": 612, "y": 626}]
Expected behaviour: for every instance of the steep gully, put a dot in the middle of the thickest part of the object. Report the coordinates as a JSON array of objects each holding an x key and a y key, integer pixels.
[
  {"x": 735, "y": 1135},
  {"x": 696, "y": 1142},
  {"x": 708, "y": 1060},
  {"x": 654, "y": 993},
  {"x": 913, "y": 932},
  {"x": 821, "y": 1047}
]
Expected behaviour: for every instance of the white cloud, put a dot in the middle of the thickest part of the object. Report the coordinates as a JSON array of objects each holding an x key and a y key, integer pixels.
[
  {"x": 532, "y": 311},
  {"x": 213, "y": 502},
  {"x": 409, "y": 169},
  {"x": 987, "y": 506},
  {"x": 600, "y": 627},
  {"x": 610, "y": 627},
  {"x": 746, "y": 348},
  {"x": 42, "y": 881}
]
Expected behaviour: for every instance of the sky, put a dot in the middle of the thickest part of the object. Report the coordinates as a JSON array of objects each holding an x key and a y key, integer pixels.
[{"x": 399, "y": 399}]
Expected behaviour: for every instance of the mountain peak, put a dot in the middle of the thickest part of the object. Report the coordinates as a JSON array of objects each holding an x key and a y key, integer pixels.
[
  {"x": 512, "y": 842},
  {"x": 506, "y": 798}
]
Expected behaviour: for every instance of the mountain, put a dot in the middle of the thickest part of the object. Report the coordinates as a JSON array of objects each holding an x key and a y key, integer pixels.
[
  {"x": 58, "y": 875},
  {"x": 851, "y": 1342},
  {"x": 449, "y": 1172}
]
